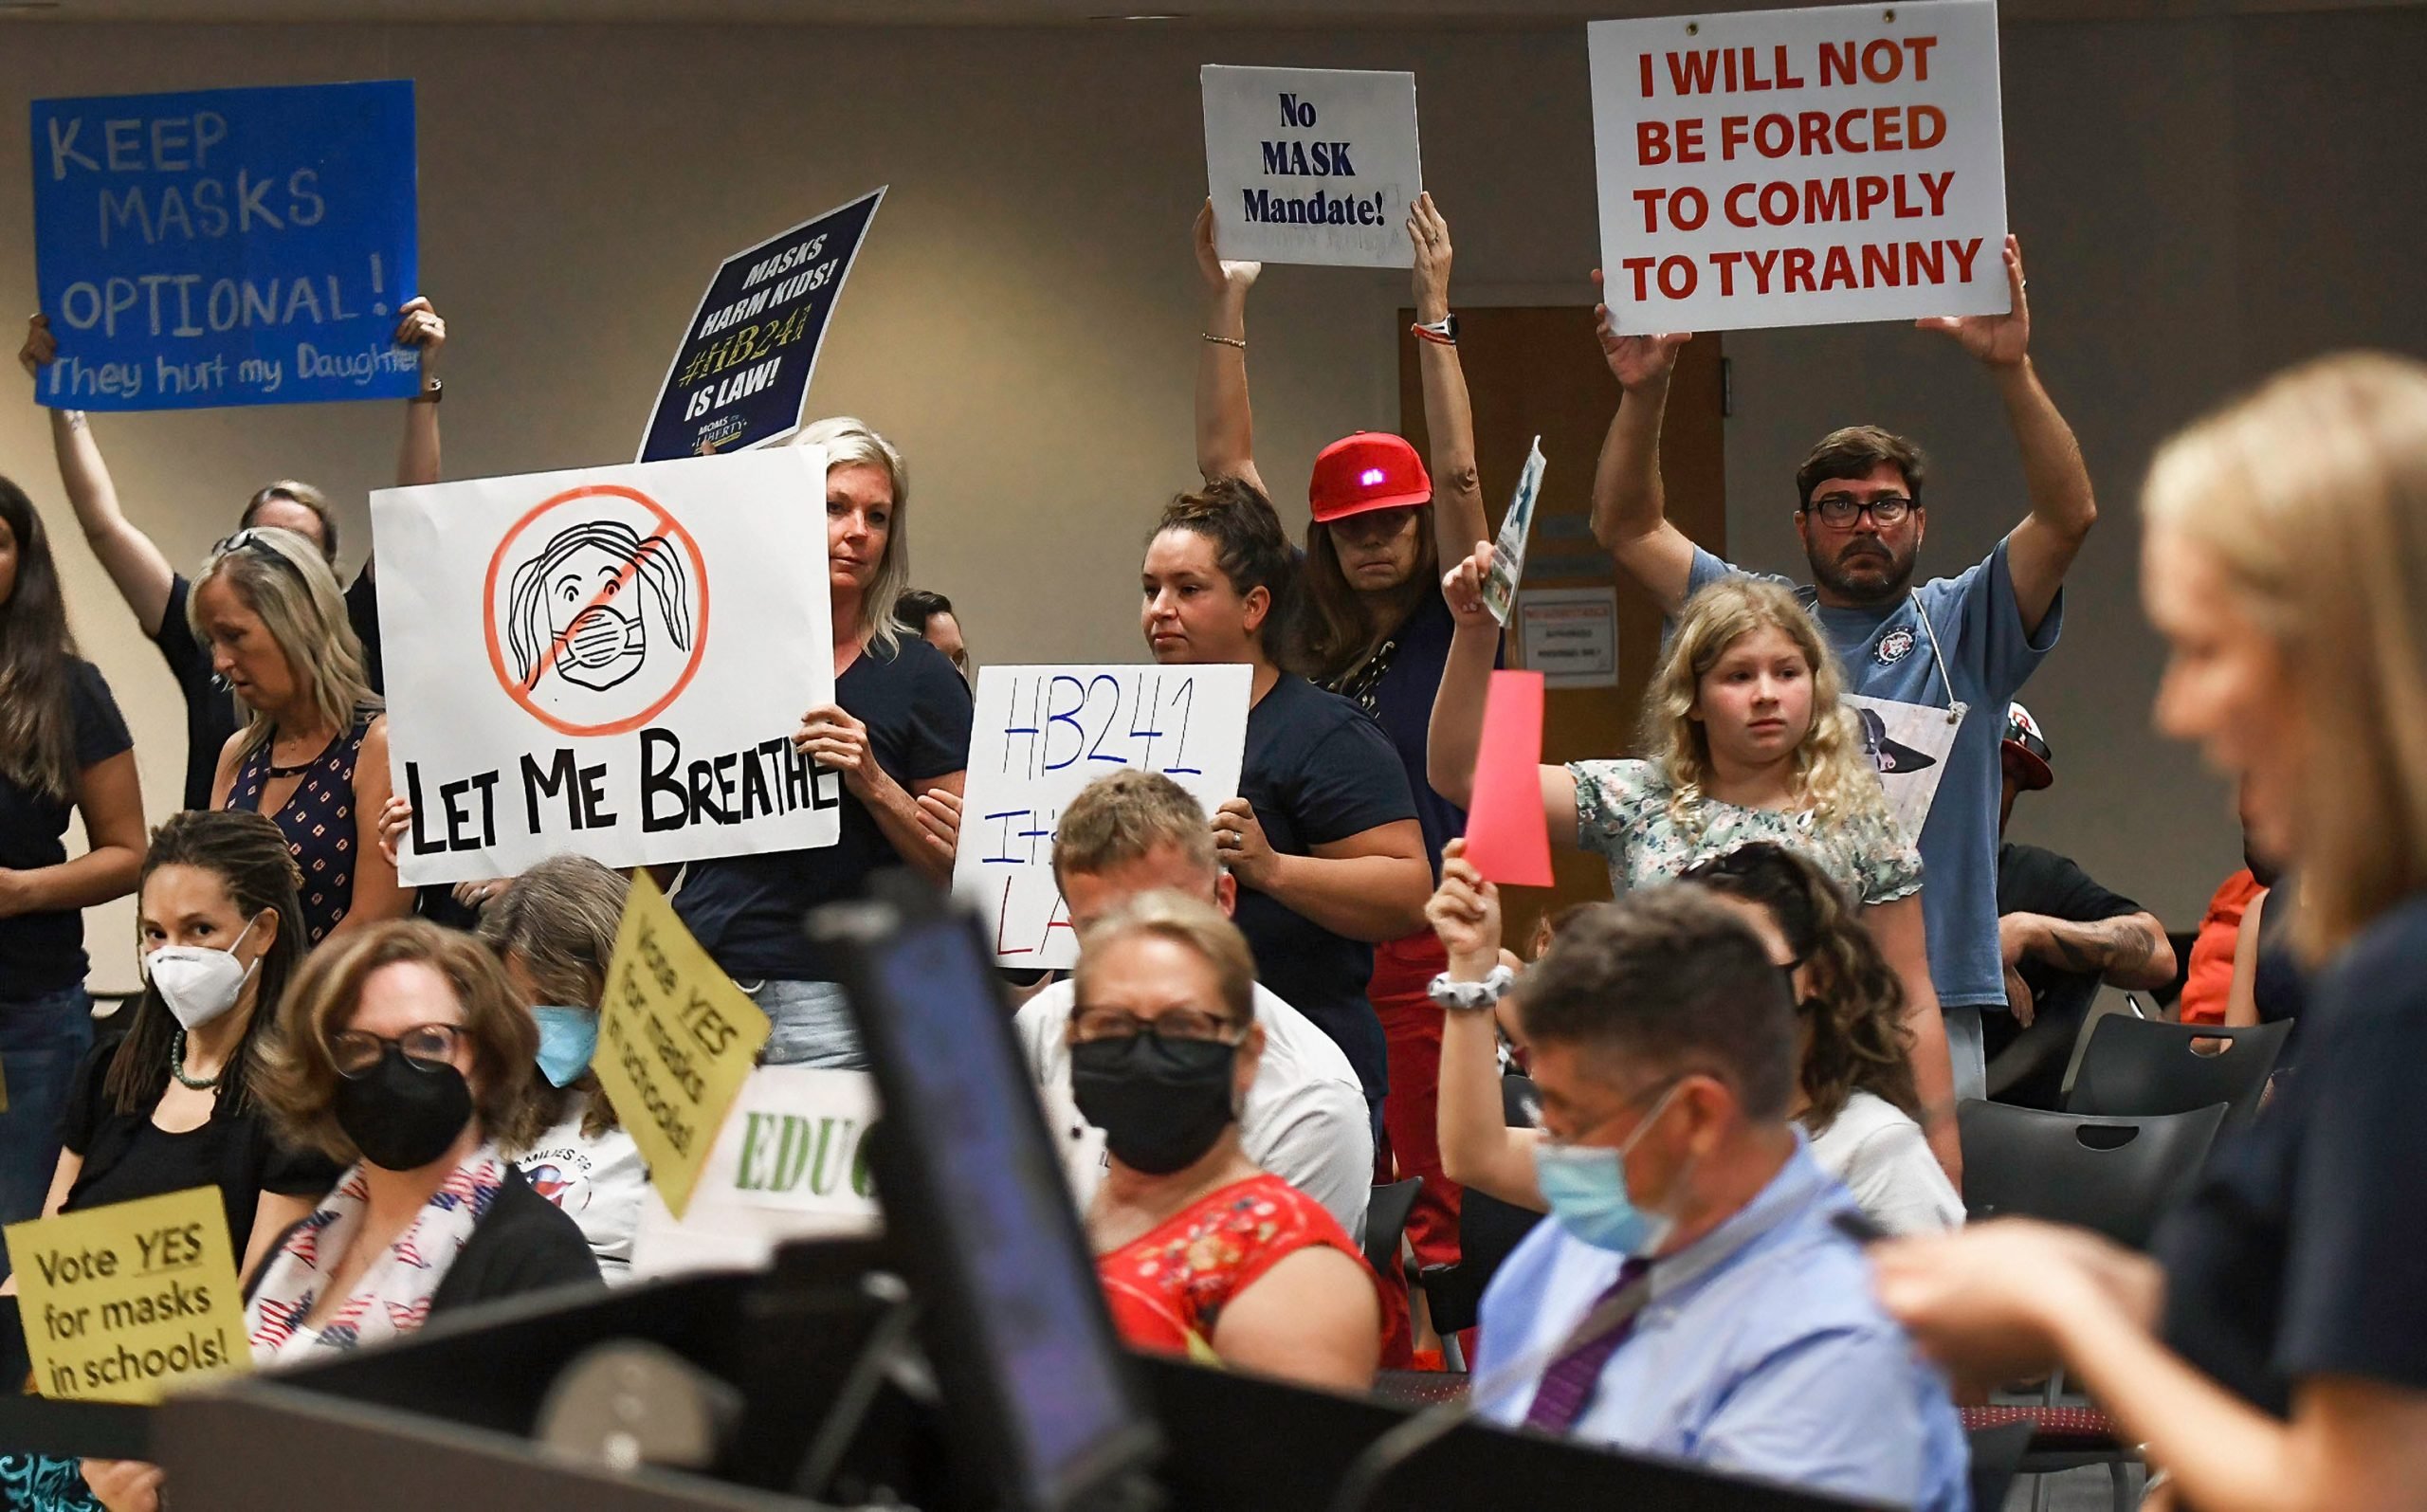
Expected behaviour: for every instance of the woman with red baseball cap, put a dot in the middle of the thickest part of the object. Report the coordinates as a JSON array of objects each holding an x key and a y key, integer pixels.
[{"x": 1371, "y": 627}]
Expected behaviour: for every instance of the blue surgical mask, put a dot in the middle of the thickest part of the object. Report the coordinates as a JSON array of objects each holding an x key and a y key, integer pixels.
[
  {"x": 1586, "y": 1187},
  {"x": 568, "y": 1037}
]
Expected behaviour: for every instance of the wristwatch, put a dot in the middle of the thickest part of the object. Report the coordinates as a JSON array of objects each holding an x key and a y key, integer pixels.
[
  {"x": 1445, "y": 330},
  {"x": 1472, "y": 997},
  {"x": 431, "y": 393}
]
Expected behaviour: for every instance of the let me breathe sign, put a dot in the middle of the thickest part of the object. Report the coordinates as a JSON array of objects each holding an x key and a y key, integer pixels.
[
  {"x": 1778, "y": 168},
  {"x": 607, "y": 662},
  {"x": 226, "y": 247},
  {"x": 1311, "y": 165}
]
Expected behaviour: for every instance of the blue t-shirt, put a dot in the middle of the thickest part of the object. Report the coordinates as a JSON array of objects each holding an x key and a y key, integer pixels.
[
  {"x": 746, "y": 911},
  {"x": 1989, "y": 656},
  {"x": 1317, "y": 770},
  {"x": 1400, "y": 701}
]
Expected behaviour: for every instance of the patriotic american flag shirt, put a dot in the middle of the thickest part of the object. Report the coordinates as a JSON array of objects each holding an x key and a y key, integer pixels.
[{"x": 393, "y": 1294}]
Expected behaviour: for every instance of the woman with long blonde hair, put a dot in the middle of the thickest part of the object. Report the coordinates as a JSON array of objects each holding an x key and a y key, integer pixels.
[
  {"x": 2271, "y": 1352},
  {"x": 313, "y": 754},
  {"x": 1747, "y": 738}
]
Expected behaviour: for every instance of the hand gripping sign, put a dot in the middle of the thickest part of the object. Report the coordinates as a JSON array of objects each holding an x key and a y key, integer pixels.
[{"x": 610, "y": 662}]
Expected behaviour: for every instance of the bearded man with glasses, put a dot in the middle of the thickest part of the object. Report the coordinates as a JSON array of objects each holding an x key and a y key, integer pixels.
[{"x": 1922, "y": 657}]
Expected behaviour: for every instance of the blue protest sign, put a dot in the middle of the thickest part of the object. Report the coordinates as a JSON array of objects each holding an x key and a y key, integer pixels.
[
  {"x": 742, "y": 371},
  {"x": 226, "y": 247}
]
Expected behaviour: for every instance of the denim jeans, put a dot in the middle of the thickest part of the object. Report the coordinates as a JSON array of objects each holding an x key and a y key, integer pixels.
[
  {"x": 811, "y": 1025},
  {"x": 42, "y": 1042}
]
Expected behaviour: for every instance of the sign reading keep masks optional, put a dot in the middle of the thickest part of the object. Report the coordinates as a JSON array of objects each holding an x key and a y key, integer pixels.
[
  {"x": 1311, "y": 165},
  {"x": 1772, "y": 168},
  {"x": 226, "y": 247},
  {"x": 610, "y": 662}
]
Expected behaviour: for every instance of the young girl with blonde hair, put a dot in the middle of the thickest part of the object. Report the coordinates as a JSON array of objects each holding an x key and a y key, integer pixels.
[{"x": 1747, "y": 738}]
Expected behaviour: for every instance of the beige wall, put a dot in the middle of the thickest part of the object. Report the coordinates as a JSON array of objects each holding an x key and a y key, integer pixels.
[{"x": 1023, "y": 319}]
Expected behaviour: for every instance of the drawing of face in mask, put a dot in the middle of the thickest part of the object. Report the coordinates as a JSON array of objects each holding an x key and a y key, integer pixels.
[{"x": 578, "y": 607}]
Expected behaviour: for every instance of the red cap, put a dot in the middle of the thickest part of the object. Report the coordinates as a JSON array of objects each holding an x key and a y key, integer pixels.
[{"x": 1367, "y": 471}]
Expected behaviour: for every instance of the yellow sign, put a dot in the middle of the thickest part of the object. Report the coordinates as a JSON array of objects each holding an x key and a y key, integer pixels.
[
  {"x": 121, "y": 1300},
  {"x": 676, "y": 1040}
]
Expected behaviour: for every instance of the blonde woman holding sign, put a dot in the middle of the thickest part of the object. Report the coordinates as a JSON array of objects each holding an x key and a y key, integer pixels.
[{"x": 898, "y": 730}]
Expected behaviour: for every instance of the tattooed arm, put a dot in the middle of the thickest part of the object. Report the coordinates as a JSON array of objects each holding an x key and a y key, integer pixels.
[{"x": 2129, "y": 952}]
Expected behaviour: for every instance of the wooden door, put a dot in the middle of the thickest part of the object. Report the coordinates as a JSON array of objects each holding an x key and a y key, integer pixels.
[{"x": 1537, "y": 370}]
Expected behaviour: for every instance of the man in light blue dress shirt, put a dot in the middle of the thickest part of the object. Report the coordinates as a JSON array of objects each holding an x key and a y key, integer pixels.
[{"x": 1664, "y": 1046}]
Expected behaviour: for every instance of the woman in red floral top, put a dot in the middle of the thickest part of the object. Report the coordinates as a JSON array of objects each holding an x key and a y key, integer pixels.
[{"x": 1200, "y": 1252}]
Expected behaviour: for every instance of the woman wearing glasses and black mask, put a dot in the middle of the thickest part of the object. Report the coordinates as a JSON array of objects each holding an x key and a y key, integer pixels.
[
  {"x": 315, "y": 753},
  {"x": 1200, "y": 1252},
  {"x": 404, "y": 1053},
  {"x": 408, "y": 1054}
]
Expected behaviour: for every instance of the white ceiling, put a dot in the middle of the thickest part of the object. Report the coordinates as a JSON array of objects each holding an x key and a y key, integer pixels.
[{"x": 1258, "y": 13}]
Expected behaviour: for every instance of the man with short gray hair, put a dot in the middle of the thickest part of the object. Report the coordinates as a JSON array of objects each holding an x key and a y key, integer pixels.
[{"x": 1663, "y": 1042}]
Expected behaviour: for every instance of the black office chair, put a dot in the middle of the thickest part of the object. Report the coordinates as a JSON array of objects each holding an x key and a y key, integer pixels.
[
  {"x": 1996, "y": 1459},
  {"x": 2137, "y": 1065},
  {"x": 1386, "y": 1213},
  {"x": 1488, "y": 1229},
  {"x": 2114, "y": 1175}
]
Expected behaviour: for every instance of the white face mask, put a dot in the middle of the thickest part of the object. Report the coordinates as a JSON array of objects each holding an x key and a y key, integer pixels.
[{"x": 198, "y": 982}]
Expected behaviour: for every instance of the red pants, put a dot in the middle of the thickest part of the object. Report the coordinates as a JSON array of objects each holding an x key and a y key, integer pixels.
[{"x": 1411, "y": 1147}]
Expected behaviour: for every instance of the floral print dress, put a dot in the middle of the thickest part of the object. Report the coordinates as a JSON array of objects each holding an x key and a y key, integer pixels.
[{"x": 1623, "y": 812}]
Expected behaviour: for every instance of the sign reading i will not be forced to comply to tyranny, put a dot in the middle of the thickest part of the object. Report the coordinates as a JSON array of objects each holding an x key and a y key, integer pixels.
[
  {"x": 610, "y": 662},
  {"x": 1774, "y": 168},
  {"x": 676, "y": 1040},
  {"x": 121, "y": 1300},
  {"x": 1311, "y": 165},
  {"x": 226, "y": 247},
  {"x": 1040, "y": 733},
  {"x": 742, "y": 372}
]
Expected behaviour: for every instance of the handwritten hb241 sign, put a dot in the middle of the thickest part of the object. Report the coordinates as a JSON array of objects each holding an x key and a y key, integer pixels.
[
  {"x": 1775, "y": 168},
  {"x": 1312, "y": 165},
  {"x": 1042, "y": 733},
  {"x": 676, "y": 1039},
  {"x": 742, "y": 371},
  {"x": 610, "y": 662},
  {"x": 122, "y": 1299},
  {"x": 227, "y": 246}
]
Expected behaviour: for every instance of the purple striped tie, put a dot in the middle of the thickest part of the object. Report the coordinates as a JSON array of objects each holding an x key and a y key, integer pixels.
[{"x": 1567, "y": 1386}]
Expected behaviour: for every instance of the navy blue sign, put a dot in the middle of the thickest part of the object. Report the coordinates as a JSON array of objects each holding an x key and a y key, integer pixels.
[
  {"x": 226, "y": 247},
  {"x": 742, "y": 371}
]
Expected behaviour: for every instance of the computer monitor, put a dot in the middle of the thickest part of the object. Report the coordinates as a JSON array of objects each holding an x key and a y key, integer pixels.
[{"x": 978, "y": 1209}]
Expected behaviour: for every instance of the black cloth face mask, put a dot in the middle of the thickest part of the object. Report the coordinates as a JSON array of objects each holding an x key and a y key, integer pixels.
[
  {"x": 402, "y": 1113},
  {"x": 1161, "y": 1104}
]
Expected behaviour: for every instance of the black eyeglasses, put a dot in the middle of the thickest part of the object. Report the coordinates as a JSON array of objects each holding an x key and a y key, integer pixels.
[
  {"x": 426, "y": 1048},
  {"x": 1180, "y": 1024},
  {"x": 1839, "y": 511}
]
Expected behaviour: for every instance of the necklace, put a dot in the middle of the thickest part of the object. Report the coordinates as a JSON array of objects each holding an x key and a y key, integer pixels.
[{"x": 177, "y": 1068}]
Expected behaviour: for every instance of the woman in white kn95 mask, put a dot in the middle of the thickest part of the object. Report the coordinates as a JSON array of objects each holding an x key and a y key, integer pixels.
[{"x": 165, "y": 1102}]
